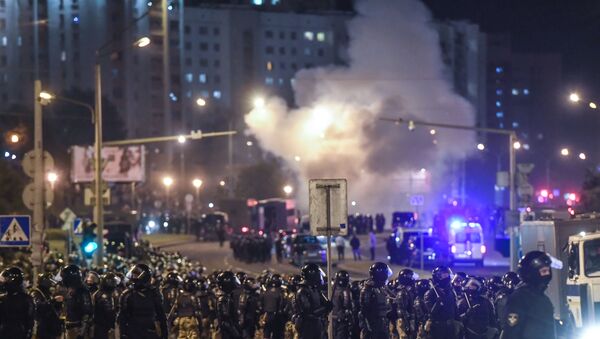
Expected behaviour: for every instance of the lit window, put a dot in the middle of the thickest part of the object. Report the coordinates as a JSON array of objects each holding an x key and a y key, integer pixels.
[
  {"x": 202, "y": 78},
  {"x": 498, "y": 104},
  {"x": 19, "y": 41},
  {"x": 515, "y": 124},
  {"x": 173, "y": 96},
  {"x": 499, "y": 115},
  {"x": 499, "y": 70},
  {"x": 257, "y": 2},
  {"x": 525, "y": 91},
  {"x": 76, "y": 19},
  {"x": 269, "y": 66},
  {"x": 189, "y": 77},
  {"x": 4, "y": 41},
  {"x": 275, "y": 2},
  {"x": 63, "y": 56},
  {"x": 499, "y": 91},
  {"x": 501, "y": 125},
  {"x": 321, "y": 36},
  {"x": 307, "y": 51},
  {"x": 268, "y": 80},
  {"x": 515, "y": 91},
  {"x": 217, "y": 94},
  {"x": 308, "y": 35}
]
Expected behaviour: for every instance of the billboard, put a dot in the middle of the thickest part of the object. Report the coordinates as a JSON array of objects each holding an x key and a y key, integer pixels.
[{"x": 120, "y": 164}]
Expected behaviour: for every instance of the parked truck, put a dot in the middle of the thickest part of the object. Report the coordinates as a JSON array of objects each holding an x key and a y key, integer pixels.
[{"x": 574, "y": 289}]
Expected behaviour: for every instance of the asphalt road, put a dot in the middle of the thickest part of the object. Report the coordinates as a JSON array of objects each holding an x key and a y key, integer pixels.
[{"x": 214, "y": 257}]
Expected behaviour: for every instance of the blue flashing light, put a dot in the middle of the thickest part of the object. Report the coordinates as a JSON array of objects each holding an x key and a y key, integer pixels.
[
  {"x": 90, "y": 247},
  {"x": 456, "y": 224},
  {"x": 149, "y": 3},
  {"x": 499, "y": 69},
  {"x": 257, "y": 2}
]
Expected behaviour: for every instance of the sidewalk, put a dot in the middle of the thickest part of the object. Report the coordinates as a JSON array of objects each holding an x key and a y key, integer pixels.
[{"x": 163, "y": 240}]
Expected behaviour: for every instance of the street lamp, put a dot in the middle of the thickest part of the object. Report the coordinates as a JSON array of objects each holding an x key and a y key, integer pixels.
[
  {"x": 517, "y": 145},
  {"x": 574, "y": 97},
  {"x": 582, "y": 156},
  {"x": 201, "y": 102},
  {"x": 14, "y": 138},
  {"x": 593, "y": 105},
  {"x": 52, "y": 178},
  {"x": 481, "y": 147},
  {"x": 142, "y": 42},
  {"x": 564, "y": 152},
  {"x": 181, "y": 139},
  {"x": 288, "y": 189},
  {"x": 167, "y": 181},
  {"x": 222, "y": 183},
  {"x": 197, "y": 183}
]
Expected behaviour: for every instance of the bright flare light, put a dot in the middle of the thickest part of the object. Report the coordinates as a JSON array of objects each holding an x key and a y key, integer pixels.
[
  {"x": 52, "y": 177},
  {"x": 481, "y": 147},
  {"x": 259, "y": 102},
  {"x": 582, "y": 156},
  {"x": 574, "y": 97},
  {"x": 197, "y": 183},
  {"x": 297, "y": 158},
  {"x": 287, "y": 189},
  {"x": 167, "y": 181},
  {"x": 564, "y": 152},
  {"x": 319, "y": 121},
  {"x": 222, "y": 183}
]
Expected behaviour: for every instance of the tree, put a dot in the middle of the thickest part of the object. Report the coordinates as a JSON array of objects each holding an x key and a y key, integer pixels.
[
  {"x": 590, "y": 195},
  {"x": 12, "y": 182},
  {"x": 261, "y": 181}
]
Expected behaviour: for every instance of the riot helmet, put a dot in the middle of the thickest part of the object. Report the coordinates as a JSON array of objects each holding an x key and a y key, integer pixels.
[{"x": 379, "y": 273}]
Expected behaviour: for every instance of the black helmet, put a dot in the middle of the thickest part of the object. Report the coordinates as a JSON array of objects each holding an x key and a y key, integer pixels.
[
  {"x": 190, "y": 284},
  {"x": 407, "y": 277},
  {"x": 380, "y": 272},
  {"x": 173, "y": 279},
  {"x": 313, "y": 275},
  {"x": 70, "y": 275},
  {"x": 422, "y": 286},
  {"x": 140, "y": 275},
  {"x": 473, "y": 287},
  {"x": 110, "y": 281},
  {"x": 227, "y": 281},
  {"x": 510, "y": 280},
  {"x": 202, "y": 283},
  {"x": 534, "y": 269},
  {"x": 459, "y": 280},
  {"x": 12, "y": 279},
  {"x": 92, "y": 279},
  {"x": 293, "y": 282},
  {"x": 275, "y": 281},
  {"x": 241, "y": 276},
  {"x": 494, "y": 284},
  {"x": 441, "y": 276},
  {"x": 250, "y": 284},
  {"x": 342, "y": 279},
  {"x": 46, "y": 281}
]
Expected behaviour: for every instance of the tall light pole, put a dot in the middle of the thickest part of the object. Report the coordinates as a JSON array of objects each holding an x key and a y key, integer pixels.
[
  {"x": 197, "y": 183},
  {"x": 38, "y": 180},
  {"x": 167, "y": 181}
]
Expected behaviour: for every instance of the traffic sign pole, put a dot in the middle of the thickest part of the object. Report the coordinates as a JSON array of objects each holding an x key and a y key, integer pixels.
[{"x": 38, "y": 181}]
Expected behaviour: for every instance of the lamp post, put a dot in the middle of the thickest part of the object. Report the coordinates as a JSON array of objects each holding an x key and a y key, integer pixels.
[
  {"x": 167, "y": 181},
  {"x": 52, "y": 177},
  {"x": 197, "y": 183}
]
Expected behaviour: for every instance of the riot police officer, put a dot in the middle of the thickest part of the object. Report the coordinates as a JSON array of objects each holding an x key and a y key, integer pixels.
[
  {"x": 458, "y": 281},
  {"x": 16, "y": 306},
  {"x": 375, "y": 306},
  {"x": 207, "y": 303},
  {"x": 476, "y": 311},
  {"x": 170, "y": 290},
  {"x": 185, "y": 311},
  {"x": 529, "y": 312},
  {"x": 441, "y": 305},
  {"x": 510, "y": 280},
  {"x": 249, "y": 307},
  {"x": 47, "y": 321},
  {"x": 78, "y": 303},
  {"x": 290, "y": 294},
  {"x": 105, "y": 306},
  {"x": 141, "y": 306},
  {"x": 312, "y": 307},
  {"x": 421, "y": 313},
  {"x": 272, "y": 302},
  {"x": 405, "y": 297},
  {"x": 226, "y": 312},
  {"x": 92, "y": 282},
  {"x": 342, "y": 306}
]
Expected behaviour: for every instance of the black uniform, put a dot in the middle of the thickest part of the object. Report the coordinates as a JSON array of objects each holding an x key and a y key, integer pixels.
[
  {"x": 16, "y": 315},
  {"x": 312, "y": 307},
  {"x": 342, "y": 312},
  {"x": 272, "y": 302},
  {"x": 249, "y": 308},
  {"x": 78, "y": 309},
  {"x": 477, "y": 314},
  {"x": 441, "y": 305},
  {"x": 226, "y": 312},
  {"x": 47, "y": 322},
  {"x": 105, "y": 312},
  {"x": 375, "y": 306}
]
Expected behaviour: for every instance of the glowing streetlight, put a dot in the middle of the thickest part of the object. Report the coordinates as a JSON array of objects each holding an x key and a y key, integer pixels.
[
  {"x": 481, "y": 147},
  {"x": 593, "y": 105},
  {"x": 517, "y": 145},
  {"x": 46, "y": 95},
  {"x": 52, "y": 177},
  {"x": 14, "y": 138},
  {"x": 582, "y": 156},
  {"x": 167, "y": 181},
  {"x": 249, "y": 143},
  {"x": 211, "y": 205},
  {"x": 197, "y": 183},
  {"x": 181, "y": 139},
  {"x": 259, "y": 102},
  {"x": 574, "y": 97},
  {"x": 287, "y": 189},
  {"x": 201, "y": 102},
  {"x": 432, "y": 132},
  {"x": 142, "y": 42},
  {"x": 564, "y": 152},
  {"x": 222, "y": 183},
  {"x": 353, "y": 203}
]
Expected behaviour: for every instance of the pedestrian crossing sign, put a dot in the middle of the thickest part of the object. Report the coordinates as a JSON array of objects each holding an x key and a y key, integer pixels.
[{"x": 15, "y": 230}]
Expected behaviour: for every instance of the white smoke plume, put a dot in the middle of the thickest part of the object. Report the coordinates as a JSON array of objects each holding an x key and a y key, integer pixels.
[{"x": 395, "y": 69}]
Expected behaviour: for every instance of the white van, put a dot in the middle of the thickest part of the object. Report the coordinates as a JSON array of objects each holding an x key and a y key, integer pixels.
[{"x": 466, "y": 243}]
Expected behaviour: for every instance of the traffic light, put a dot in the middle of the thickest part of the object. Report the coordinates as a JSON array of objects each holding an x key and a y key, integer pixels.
[{"x": 88, "y": 242}]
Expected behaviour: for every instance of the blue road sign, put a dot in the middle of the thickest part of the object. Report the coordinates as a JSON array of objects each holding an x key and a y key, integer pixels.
[
  {"x": 77, "y": 226},
  {"x": 15, "y": 230}
]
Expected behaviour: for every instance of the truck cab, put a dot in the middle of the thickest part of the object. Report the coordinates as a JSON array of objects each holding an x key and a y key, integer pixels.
[
  {"x": 466, "y": 243},
  {"x": 583, "y": 282}
]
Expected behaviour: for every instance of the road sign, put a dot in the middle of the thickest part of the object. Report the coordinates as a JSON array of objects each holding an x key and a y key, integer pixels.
[
  {"x": 29, "y": 195},
  {"x": 15, "y": 230},
  {"x": 319, "y": 191},
  {"x": 29, "y": 163},
  {"x": 89, "y": 199},
  {"x": 67, "y": 215},
  {"x": 417, "y": 200},
  {"x": 77, "y": 226}
]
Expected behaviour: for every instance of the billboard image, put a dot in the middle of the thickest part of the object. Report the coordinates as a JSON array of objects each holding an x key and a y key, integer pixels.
[{"x": 120, "y": 164}]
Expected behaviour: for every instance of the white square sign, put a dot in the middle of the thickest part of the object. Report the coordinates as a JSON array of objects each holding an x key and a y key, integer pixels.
[{"x": 319, "y": 190}]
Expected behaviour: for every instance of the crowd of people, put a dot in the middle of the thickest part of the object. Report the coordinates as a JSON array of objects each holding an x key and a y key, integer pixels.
[{"x": 169, "y": 296}]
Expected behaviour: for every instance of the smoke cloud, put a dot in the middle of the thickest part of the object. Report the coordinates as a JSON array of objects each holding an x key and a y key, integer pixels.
[{"x": 394, "y": 69}]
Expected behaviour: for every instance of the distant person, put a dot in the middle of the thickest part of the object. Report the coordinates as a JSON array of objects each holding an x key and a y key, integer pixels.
[
  {"x": 373, "y": 243},
  {"x": 355, "y": 244},
  {"x": 340, "y": 243}
]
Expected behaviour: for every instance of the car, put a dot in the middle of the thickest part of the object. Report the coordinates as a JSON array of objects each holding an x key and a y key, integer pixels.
[
  {"x": 305, "y": 249},
  {"x": 466, "y": 243}
]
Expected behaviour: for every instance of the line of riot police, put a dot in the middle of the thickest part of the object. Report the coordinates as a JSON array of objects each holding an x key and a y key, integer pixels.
[{"x": 251, "y": 248}]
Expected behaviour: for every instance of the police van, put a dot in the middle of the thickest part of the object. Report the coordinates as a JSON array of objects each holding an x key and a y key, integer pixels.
[{"x": 466, "y": 243}]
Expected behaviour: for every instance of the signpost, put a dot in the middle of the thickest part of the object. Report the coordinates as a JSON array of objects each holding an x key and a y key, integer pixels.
[
  {"x": 328, "y": 204},
  {"x": 15, "y": 231}
]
